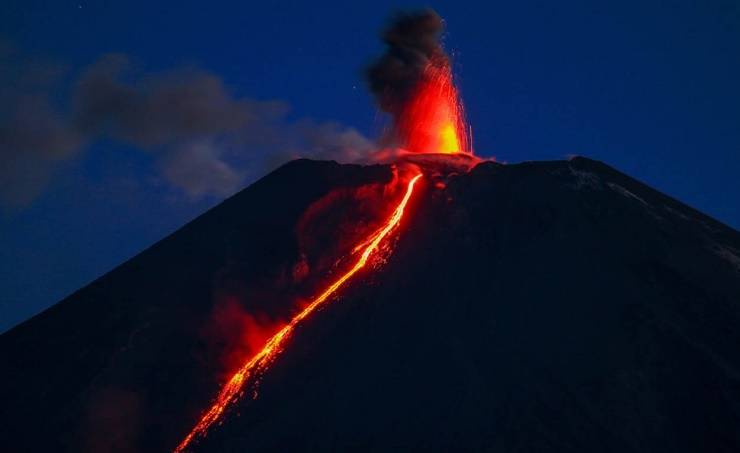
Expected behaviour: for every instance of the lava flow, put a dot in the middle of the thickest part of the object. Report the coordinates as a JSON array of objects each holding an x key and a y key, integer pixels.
[
  {"x": 413, "y": 82},
  {"x": 233, "y": 388}
]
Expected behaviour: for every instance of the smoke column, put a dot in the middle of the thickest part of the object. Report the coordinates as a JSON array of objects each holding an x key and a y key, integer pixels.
[{"x": 412, "y": 81}]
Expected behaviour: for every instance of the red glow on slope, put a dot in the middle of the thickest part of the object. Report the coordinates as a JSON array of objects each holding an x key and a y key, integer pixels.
[
  {"x": 243, "y": 331},
  {"x": 232, "y": 390},
  {"x": 433, "y": 120}
]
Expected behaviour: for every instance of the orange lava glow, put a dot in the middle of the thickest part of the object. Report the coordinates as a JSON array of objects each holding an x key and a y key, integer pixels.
[
  {"x": 232, "y": 390},
  {"x": 433, "y": 120}
]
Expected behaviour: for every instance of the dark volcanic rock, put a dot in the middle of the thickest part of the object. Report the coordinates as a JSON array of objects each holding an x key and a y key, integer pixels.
[{"x": 549, "y": 306}]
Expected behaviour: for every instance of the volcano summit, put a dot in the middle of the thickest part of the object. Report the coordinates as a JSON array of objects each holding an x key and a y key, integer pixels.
[
  {"x": 543, "y": 306},
  {"x": 433, "y": 302}
]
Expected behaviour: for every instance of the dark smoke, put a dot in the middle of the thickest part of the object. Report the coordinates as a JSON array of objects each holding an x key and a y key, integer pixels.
[
  {"x": 413, "y": 43},
  {"x": 158, "y": 110},
  {"x": 34, "y": 135},
  {"x": 205, "y": 140}
]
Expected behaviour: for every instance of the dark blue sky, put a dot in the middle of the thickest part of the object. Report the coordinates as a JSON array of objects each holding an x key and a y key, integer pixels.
[{"x": 650, "y": 87}]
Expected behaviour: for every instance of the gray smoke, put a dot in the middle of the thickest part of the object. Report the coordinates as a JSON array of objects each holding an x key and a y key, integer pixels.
[
  {"x": 34, "y": 136},
  {"x": 412, "y": 43},
  {"x": 205, "y": 140}
]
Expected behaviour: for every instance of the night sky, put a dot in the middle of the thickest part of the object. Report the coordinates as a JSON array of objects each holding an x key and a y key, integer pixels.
[{"x": 651, "y": 88}]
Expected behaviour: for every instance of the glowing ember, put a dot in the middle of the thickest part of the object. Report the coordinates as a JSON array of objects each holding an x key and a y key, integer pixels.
[
  {"x": 233, "y": 389},
  {"x": 433, "y": 120}
]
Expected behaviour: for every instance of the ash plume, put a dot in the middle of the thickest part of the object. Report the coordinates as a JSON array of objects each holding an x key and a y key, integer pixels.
[
  {"x": 413, "y": 43},
  {"x": 204, "y": 140},
  {"x": 157, "y": 109},
  {"x": 34, "y": 135}
]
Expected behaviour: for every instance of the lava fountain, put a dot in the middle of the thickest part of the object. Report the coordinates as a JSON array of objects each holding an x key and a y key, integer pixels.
[
  {"x": 412, "y": 82},
  {"x": 433, "y": 120}
]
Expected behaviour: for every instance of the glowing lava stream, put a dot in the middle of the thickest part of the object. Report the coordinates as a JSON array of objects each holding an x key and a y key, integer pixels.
[{"x": 232, "y": 389}]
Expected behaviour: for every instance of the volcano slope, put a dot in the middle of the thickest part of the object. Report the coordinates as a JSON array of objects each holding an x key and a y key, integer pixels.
[{"x": 548, "y": 306}]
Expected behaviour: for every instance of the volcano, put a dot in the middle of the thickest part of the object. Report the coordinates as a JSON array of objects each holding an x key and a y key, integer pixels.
[{"x": 540, "y": 306}]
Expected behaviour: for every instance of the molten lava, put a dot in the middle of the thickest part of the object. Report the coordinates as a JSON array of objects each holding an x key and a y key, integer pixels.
[
  {"x": 433, "y": 120},
  {"x": 415, "y": 85},
  {"x": 232, "y": 390}
]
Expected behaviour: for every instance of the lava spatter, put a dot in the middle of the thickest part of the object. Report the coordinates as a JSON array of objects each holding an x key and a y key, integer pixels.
[{"x": 433, "y": 120}]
